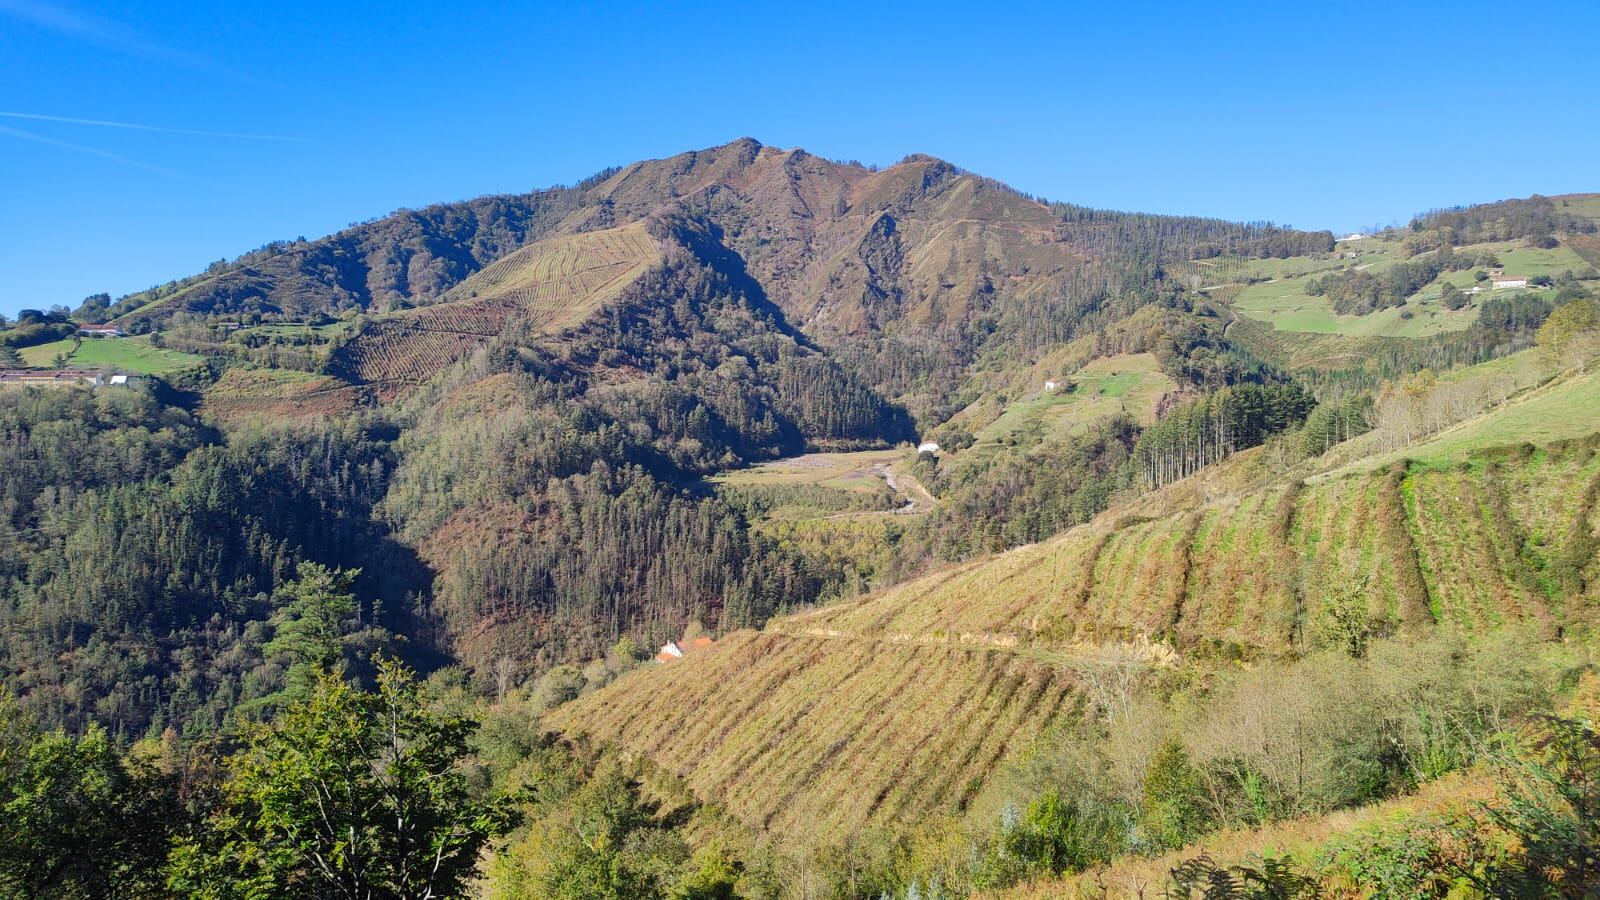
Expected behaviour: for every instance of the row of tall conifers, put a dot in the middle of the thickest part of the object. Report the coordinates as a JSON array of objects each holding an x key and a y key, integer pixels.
[{"x": 1206, "y": 429}]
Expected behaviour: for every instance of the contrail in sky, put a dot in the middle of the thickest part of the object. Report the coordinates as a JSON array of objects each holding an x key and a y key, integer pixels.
[
  {"x": 103, "y": 154},
  {"x": 91, "y": 28},
  {"x": 110, "y": 34},
  {"x": 132, "y": 126}
]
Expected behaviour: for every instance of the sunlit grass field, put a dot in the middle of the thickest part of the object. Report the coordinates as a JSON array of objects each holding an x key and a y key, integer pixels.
[
  {"x": 132, "y": 354},
  {"x": 844, "y": 471},
  {"x": 1284, "y": 304},
  {"x": 1130, "y": 384}
]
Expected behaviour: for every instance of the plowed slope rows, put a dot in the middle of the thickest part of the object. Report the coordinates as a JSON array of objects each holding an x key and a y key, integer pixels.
[
  {"x": 826, "y": 736},
  {"x": 1466, "y": 547}
]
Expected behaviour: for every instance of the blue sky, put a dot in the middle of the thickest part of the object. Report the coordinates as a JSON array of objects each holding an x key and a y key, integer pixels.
[{"x": 293, "y": 118}]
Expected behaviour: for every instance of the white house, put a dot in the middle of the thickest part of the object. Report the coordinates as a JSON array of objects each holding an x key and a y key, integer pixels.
[
  {"x": 1354, "y": 236},
  {"x": 100, "y": 331},
  {"x": 1506, "y": 282},
  {"x": 672, "y": 650},
  {"x": 1050, "y": 385},
  {"x": 927, "y": 447}
]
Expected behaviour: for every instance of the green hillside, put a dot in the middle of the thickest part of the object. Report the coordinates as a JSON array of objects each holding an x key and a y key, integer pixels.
[
  {"x": 1279, "y": 296},
  {"x": 1128, "y": 385},
  {"x": 133, "y": 354}
]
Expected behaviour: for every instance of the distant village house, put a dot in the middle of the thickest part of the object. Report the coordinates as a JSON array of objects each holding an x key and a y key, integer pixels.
[
  {"x": 1508, "y": 282},
  {"x": 100, "y": 331},
  {"x": 927, "y": 447}
]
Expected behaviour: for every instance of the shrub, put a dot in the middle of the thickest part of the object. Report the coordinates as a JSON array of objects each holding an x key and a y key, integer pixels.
[
  {"x": 1332, "y": 731},
  {"x": 1174, "y": 810},
  {"x": 1550, "y": 790},
  {"x": 559, "y": 685},
  {"x": 1055, "y": 835},
  {"x": 1405, "y": 858}
]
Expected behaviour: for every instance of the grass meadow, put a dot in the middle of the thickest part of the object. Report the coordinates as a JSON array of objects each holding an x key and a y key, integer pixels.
[
  {"x": 1282, "y": 301},
  {"x": 131, "y": 354}
]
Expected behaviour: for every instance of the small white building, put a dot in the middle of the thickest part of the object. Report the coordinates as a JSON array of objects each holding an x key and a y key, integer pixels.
[
  {"x": 1508, "y": 282},
  {"x": 927, "y": 447},
  {"x": 100, "y": 331},
  {"x": 1354, "y": 236},
  {"x": 672, "y": 650},
  {"x": 1050, "y": 386}
]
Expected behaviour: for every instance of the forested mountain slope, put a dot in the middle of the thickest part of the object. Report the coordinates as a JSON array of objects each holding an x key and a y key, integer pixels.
[
  {"x": 906, "y": 272},
  {"x": 526, "y": 390},
  {"x": 1184, "y": 468},
  {"x": 505, "y": 411}
]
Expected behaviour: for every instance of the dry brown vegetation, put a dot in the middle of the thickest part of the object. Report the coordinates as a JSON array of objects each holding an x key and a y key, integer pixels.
[
  {"x": 551, "y": 285},
  {"x": 271, "y": 395},
  {"x": 818, "y": 736}
]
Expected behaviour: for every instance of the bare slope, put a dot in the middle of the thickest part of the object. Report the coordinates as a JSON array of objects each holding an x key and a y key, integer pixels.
[
  {"x": 278, "y": 395},
  {"x": 553, "y": 284}
]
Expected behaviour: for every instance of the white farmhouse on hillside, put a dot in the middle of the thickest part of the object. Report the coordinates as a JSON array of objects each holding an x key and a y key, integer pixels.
[
  {"x": 1506, "y": 282},
  {"x": 927, "y": 447}
]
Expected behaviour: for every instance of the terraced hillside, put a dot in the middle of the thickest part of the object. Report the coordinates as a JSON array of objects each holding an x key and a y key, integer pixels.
[
  {"x": 563, "y": 278},
  {"x": 1501, "y": 536},
  {"x": 276, "y": 395},
  {"x": 815, "y": 726},
  {"x": 550, "y": 285},
  {"x": 823, "y": 736}
]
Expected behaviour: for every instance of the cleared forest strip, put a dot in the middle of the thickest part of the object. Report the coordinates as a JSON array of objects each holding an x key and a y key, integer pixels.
[{"x": 551, "y": 285}]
